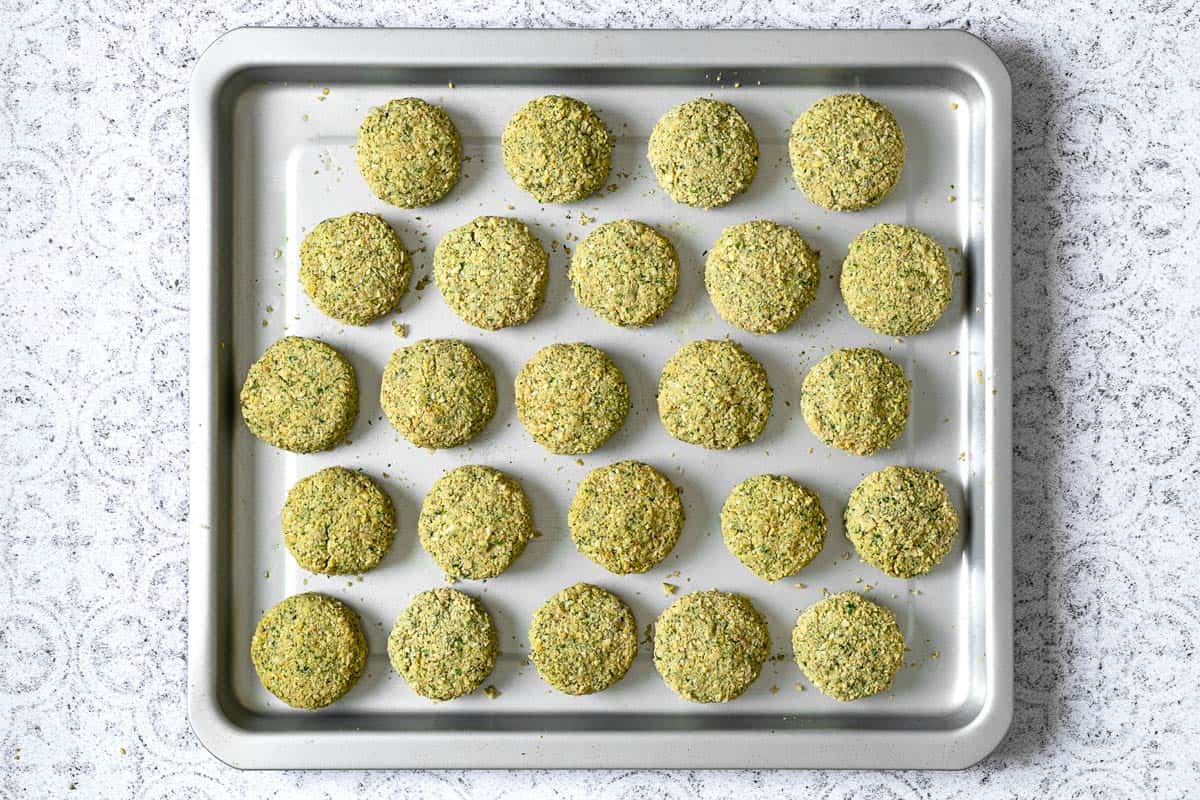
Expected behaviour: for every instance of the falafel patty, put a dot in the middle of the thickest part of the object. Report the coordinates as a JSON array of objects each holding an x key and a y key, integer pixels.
[
  {"x": 714, "y": 394},
  {"x": 571, "y": 398},
  {"x": 557, "y": 149},
  {"x": 626, "y": 517},
  {"x": 847, "y": 152},
  {"x": 300, "y": 395},
  {"x": 856, "y": 399},
  {"x": 848, "y": 646},
  {"x": 438, "y": 393},
  {"x": 475, "y": 521},
  {"x": 338, "y": 522},
  {"x": 710, "y": 646},
  {"x": 309, "y": 650},
  {"x": 703, "y": 153},
  {"x": 583, "y": 639},
  {"x": 443, "y": 644},
  {"x": 409, "y": 152},
  {"x": 492, "y": 272}
]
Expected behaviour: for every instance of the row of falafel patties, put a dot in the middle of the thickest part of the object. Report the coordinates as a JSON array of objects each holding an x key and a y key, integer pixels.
[
  {"x": 760, "y": 276},
  {"x": 847, "y": 152},
  {"x": 302, "y": 395},
  {"x": 709, "y": 646}
]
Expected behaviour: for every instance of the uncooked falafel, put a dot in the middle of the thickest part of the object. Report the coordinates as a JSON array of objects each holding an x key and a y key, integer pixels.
[
  {"x": 626, "y": 517},
  {"x": 714, "y": 394},
  {"x": 309, "y": 650},
  {"x": 474, "y": 522},
  {"x": 557, "y": 149},
  {"x": 338, "y": 522},
  {"x": 896, "y": 280},
  {"x": 626, "y": 272},
  {"x": 355, "y": 267},
  {"x": 848, "y": 646},
  {"x": 847, "y": 152},
  {"x": 409, "y": 152},
  {"x": 710, "y": 646},
  {"x": 761, "y": 275},
  {"x": 571, "y": 398},
  {"x": 438, "y": 393},
  {"x": 443, "y": 644},
  {"x": 773, "y": 525},
  {"x": 583, "y": 639},
  {"x": 703, "y": 152},
  {"x": 301, "y": 395},
  {"x": 901, "y": 521},
  {"x": 856, "y": 399},
  {"x": 492, "y": 272}
]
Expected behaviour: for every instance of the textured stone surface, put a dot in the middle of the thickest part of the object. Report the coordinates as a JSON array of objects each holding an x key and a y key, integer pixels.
[{"x": 93, "y": 353}]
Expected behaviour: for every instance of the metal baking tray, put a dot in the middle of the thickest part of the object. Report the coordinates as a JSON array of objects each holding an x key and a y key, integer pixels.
[{"x": 273, "y": 119}]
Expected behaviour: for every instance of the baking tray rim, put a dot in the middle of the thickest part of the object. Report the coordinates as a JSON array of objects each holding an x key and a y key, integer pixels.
[{"x": 219, "y": 69}]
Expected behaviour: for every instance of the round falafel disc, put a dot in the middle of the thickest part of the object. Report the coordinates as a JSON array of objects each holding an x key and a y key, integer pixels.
[
  {"x": 773, "y": 525},
  {"x": 409, "y": 152},
  {"x": 896, "y": 280},
  {"x": 848, "y": 646},
  {"x": 338, "y": 522},
  {"x": 761, "y": 275},
  {"x": 474, "y": 522},
  {"x": 571, "y": 398},
  {"x": 354, "y": 267},
  {"x": 557, "y": 149},
  {"x": 443, "y": 644},
  {"x": 626, "y": 272},
  {"x": 626, "y": 517},
  {"x": 710, "y": 646},
  {"x": 856, "y": 399},
  {"x": 901, "y": 521},
  {"x": 703, "y": 153},
  {"x": 309, "y": 650},
  {"x": 301, "y": 395},
  {"x": 492, "y": 272},
  {"x": 583, "y": 639},
  {"x": 714, "y": 394},
  {"x": 438, "y": 393},
  {"x": 847, "y": 152}
]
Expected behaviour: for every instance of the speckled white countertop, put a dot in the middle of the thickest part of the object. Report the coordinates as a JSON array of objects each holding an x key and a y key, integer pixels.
[{"x": 93, "y": 397}]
